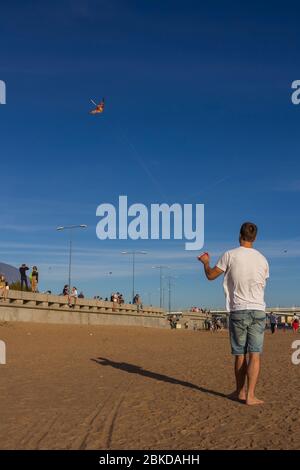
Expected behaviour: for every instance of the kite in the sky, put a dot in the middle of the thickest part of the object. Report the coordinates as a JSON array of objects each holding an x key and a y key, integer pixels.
[{"x": 99, "y": 107}]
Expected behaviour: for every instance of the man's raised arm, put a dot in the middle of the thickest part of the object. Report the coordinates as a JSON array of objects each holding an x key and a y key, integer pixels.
[{"x": 211, "y": 273}]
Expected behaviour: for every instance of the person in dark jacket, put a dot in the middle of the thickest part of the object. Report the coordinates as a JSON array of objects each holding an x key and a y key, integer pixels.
[{"x": 22, "y": 269}]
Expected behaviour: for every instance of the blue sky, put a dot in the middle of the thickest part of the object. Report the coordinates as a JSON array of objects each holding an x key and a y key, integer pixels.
[{"x": 198, "y": 110}]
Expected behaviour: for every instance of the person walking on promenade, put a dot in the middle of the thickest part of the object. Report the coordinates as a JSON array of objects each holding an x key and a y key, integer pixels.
[
  {"x": 273, "y": 322},
  {"x": 295, "y": 323},
  {"x": 34, "y": 279},
  {"x": 246, "y": 271},
  {"x": 138, "y": 302},
  {"x": 22, "y": 269}
]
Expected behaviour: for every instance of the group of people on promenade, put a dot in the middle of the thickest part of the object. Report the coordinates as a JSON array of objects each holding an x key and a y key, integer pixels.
[
  {"x": 31, "y": 281},
  {"x": 118, "y": 298},
  {"x": 72, "y": 295},
  {"x": 199, "y": 310},
  {"x": 284, "y": 325},
  {"x": 214, "y": 324},
  {"x": 33, "y": 277}
]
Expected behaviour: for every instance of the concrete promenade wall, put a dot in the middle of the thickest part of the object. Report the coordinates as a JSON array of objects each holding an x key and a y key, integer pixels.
[
  {"x": 44, "y": 308},
  {"x": 193, "y": 320}
]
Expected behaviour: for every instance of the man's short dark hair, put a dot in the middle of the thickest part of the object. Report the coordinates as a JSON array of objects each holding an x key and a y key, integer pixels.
[{"x": 248, "y": 232}]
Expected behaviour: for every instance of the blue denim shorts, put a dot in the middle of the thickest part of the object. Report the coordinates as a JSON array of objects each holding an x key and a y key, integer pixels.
[{"x": 246, "y": 329}]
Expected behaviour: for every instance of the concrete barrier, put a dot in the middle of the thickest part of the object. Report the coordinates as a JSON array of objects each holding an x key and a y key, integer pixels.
[
  {"x": 44, "y": 308},
  {"x": 193, "y": 320}
]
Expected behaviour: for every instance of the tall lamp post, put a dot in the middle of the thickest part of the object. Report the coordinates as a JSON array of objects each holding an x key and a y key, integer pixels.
[
  {"x": 170, "y": 278},
  {"x": 149, "y": 297},
  {"x": 163, "y": 297},
  {"x": 70, "y": 228},
  {"x": 109, "y": 273},
  {"x": 161, "y": 268},
  {"x": 133, "y": 254}
]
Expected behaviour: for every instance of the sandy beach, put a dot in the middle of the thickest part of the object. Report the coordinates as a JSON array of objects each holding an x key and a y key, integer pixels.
[{"x": 95, "y": 387}]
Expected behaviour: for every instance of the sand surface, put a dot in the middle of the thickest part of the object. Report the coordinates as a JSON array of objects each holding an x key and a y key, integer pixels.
[{"x": 94, "y": 387}]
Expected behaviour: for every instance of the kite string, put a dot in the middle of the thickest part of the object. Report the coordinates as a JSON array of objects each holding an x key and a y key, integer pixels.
[{"x": 120, "y": 132}]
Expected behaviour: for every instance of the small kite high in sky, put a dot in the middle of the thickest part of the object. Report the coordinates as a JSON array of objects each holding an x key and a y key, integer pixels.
[{"x": 99, "y": 107}]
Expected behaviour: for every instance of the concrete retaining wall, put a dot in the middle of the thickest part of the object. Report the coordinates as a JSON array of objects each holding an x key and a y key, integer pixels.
[
  {"x": 192, "y": 320},
  {"x": 43, "y": 308}
]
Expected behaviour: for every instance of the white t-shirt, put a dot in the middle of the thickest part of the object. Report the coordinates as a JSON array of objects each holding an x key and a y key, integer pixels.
[{"x": 246, "y": 271}]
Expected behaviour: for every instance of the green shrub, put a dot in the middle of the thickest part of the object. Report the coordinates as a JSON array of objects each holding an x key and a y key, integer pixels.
[{"x": 17, "y": 285}]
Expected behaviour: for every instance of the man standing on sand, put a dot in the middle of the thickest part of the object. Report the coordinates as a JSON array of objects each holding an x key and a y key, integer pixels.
[{"x": 246, "y": 271}]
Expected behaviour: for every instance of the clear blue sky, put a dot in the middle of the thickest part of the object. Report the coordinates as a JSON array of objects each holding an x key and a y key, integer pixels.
[{"x": 198, "y": 110}]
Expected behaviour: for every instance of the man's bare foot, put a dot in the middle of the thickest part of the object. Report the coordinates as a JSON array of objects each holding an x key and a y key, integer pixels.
[
  {"x": 238, "y": 396},
  {"x": 254, "y": 401}
]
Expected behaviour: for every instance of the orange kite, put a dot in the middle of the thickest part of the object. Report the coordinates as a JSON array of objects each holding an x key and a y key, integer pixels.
[{"x": 99, "y": 107}]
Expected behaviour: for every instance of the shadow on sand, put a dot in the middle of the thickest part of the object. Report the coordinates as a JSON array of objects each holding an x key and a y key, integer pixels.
[{"x": 133, "y": 369}]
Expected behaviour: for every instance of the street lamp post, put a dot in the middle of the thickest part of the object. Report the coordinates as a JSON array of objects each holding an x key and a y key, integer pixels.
[
  {"x": 133, "y": 254},
  {"x": 170, "y": 278},
  {"x": 163, "y": 297},
  {"x": 149, "y": 297},
  {"x": 160, "y": 267},
  {"x": 70, "y": 228},
  {"x": 109, "y": 273}
]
